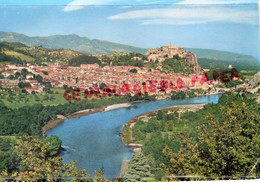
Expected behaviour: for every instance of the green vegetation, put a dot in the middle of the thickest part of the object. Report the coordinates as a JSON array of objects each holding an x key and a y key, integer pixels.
[
  {"x": 175, "y": 65},
  {"x": 187, "y": 93},
  {"x": 84, "y": 59},
  {"x": 18, "y": 55},
  {"x": 127, "y": 134},
  {"x": 5, "y": 57},
  {"x": 152, "y": 64},
  {"x": 15, "y": 121},
  {"x": 208, "y": 58},
  {"x": 232, "y": 83},
  {"x": 219, "y": 140},
  {"x": 24, "y": 84},
  {"x": 123, "y": 59},
  {"x": 54, "y": 145},
  {"x": 178, "y": 95},
  {"x": 8, "y": 157},
  {"x": 133, "y": 70},
  {"x": 248, "y": 72},
  {"x": 72, "y": 41},
  {"x": 34, "y": 156},
  {"x": 30, "y": 159},
  {"x": 17, "y": 98},
  {"x": 140, "y": 167}
]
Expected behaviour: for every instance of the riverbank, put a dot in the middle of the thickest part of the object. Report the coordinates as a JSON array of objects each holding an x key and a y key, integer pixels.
[
  {"x": 117, "y": 106},
  {"x": 126, "y": 134},
  {"x": 53, "y": 123}
]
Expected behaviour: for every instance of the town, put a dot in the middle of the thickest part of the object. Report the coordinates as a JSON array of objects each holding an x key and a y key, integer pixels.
[{"x": 93, "y": 76}]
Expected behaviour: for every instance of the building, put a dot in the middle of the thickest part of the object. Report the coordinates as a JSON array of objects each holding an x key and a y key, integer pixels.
[
  {"x": 35, "y": 89},
  {"x": 6, "y": 83}
]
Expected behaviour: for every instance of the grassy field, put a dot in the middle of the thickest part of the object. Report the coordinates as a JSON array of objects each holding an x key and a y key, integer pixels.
[
  {"x": 3, "y": 63},
  {"x": 18, "y": 55},
  {"x": 16, "y": 99},
  {"x": 248, "y": 74}
]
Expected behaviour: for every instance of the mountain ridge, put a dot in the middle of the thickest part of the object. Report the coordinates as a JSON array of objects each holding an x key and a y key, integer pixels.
[
  {"x": 71, "y": 41},
  {"x": 206, "y": 57}
]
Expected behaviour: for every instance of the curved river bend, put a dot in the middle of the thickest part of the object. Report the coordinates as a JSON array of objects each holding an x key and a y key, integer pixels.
[{"x": 94, "y": 142}]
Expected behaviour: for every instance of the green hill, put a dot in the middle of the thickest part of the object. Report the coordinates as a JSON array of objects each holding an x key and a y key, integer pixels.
[
  {"x": 208, "y": 58},
  {"x": 72, "y": 41}
]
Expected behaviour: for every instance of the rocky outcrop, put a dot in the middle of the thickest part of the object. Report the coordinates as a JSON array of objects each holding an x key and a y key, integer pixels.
[
  {"x": 192, "y": 62},
  {"x": 255, "y": 81},
  {"x": 165, "y": 52}
]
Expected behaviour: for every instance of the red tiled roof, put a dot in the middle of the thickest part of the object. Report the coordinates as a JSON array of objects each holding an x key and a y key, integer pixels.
[
  {"x": 31, "y": 88},
  {"x": 33, "y": 81}
]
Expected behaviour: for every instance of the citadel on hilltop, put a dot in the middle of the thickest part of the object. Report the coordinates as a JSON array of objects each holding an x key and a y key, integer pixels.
[{"x": 166, "y": 52}]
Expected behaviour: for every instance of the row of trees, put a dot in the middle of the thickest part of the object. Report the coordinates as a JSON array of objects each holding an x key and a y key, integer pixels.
[
  {"x": 16, "y": 121},
  {"x": 187, "y": 93}
]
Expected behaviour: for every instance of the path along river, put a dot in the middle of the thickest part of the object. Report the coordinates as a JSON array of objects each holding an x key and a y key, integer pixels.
[{"x": 94, "y": 142}]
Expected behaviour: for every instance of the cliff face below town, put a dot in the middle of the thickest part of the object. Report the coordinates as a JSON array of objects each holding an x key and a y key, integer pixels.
[
  {"x": 166, "y": 52},
  {"x": 255, "y": 81}
]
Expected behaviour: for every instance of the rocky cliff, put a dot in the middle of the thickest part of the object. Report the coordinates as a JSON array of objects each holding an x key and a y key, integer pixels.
[
  {"x": 255, "y": 81},
  {"x": 166, "y": 52}
]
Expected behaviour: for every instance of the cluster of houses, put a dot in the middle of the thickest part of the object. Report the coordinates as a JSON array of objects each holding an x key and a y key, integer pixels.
[
  {"x": 11, "y": 69},
  {"x": 91, "y": 75}
]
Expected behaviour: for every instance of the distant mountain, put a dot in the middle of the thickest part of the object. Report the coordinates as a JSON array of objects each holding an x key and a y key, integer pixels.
[
  {"x": 213, "y": 58},
  {"x": 72, "y": 41},
  {"x": 206, "y": 57}
]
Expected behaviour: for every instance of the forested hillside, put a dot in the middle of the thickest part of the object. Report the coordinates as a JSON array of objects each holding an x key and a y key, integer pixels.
[{"x": 219, "y": 140}]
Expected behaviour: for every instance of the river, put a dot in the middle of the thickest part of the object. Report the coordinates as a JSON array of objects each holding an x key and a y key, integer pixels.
[{"x": 94, "y": 142}]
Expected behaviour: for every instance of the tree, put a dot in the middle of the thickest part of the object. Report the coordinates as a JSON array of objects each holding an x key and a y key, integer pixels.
[
  {"x": 183, "y": 162},
  {"x": 45, "y": 73},
  {"x": 11, "y": 77},
  {"x": 39, "y": 78},
  {"x": 231, "y": 147},
  {"x": 176, "y": 56},
  {"x": 54, "y": 145},
  {"x": 102, "y": 86},
  {"x": 140, "y": 168},
  {"x": 159, "y": 115},
  {"x": 17, "y": 74},
  {"x": 38, "y": 164},
  {"x": 24, "y": 72},
  {"x": 133, "y": 70},
  {"x": 65, "y": 87},
  {"x": 47, "y": 88},
  {"x": 24, "y": 84},
  {"x": 1, "y": 76},
  {"x": 227, "y": 145}
]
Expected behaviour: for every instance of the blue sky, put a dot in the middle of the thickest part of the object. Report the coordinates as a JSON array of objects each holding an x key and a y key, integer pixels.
[{"x": 230, "y": 25}]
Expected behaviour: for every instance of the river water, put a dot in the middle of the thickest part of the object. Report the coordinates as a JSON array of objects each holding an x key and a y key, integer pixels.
[{"x": 94, "y": 142}]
